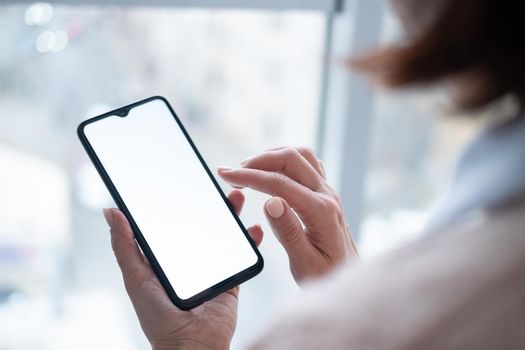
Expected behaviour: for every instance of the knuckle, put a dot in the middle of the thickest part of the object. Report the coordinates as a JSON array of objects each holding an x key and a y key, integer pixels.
[
  {"x": 318, "y": 204},
  {"x": 290, "y": 233},
  {"x": 308, "y": 151},
  {"x": 337, "y": 211},
  {"x": 118, "y": 245},
  {"x": 290, "y": 153},
  {"x": 330, "y": 205},
  {"x": 316, "y": 183},
  {"x": 117, "y": 251},
  {"x": 337, "y": 198},
  {"x": 279, "y": 180},
  {"x": 114, "y": 241}
]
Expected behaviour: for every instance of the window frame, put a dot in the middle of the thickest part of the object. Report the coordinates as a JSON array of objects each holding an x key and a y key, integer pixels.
[
  {"x": 317, "y": 5},
  {"x": 347, "y": 105}
]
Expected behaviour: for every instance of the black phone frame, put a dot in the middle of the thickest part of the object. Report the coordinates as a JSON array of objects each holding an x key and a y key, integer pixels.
[{"x": 213, "y": 291}]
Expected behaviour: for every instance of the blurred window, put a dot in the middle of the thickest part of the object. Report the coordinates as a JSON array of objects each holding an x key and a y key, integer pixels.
[
  {"x": 415, "y": 140},
  {"x": 241, "y": 80}
]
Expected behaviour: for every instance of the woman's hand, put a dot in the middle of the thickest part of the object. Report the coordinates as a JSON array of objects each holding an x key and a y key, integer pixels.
[
  {"x": 209, "y": 326},
  {"x": 316, "y": 239}
]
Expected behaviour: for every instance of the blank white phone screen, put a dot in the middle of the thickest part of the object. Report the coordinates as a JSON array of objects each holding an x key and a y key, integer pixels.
[{"x": 182, "y": 216}]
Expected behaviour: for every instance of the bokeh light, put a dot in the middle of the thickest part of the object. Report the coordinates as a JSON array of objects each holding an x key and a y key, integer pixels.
[
  {"x": 49, "y": 41},
  {"x": 38, "y": 14}
]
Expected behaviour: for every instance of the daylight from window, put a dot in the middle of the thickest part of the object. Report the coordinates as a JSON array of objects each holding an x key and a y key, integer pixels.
[{"x": 242, "y": 81}]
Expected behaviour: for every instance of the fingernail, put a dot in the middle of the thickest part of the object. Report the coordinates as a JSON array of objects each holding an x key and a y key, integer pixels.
[
  {"x": 275, "y": 208},
  {"x": 245, "y": 160},
  {"x": 108, "y": 215},
  {"x": 223, "y": 169}
]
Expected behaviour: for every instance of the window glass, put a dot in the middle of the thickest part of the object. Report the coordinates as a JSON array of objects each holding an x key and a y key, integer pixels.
[
  {"x": 242, "y": 81},
  {"x": 415, "y": 140}
]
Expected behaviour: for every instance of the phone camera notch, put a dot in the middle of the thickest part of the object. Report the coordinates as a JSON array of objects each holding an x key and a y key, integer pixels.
[{"x": 122, "y": 113}]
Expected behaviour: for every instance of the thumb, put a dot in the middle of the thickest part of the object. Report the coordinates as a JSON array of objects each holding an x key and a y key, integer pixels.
[{"x": 287, "y": 228}]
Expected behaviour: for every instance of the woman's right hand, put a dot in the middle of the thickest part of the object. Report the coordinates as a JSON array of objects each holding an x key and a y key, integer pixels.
[{"x": 304, "y": 212}]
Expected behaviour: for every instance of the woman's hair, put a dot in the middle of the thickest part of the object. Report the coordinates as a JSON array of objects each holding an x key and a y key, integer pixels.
[{"x": 486, "y": 36}]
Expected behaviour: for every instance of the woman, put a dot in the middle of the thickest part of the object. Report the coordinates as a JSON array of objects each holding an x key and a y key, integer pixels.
[{"x": 462, "y": 286}]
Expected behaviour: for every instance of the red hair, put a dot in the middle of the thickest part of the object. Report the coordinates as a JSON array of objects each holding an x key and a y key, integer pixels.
[{"x": 467, "y": 35}]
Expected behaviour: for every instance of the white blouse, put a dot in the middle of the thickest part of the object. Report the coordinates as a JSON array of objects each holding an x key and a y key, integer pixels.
[{"x": 490, "y": 172}]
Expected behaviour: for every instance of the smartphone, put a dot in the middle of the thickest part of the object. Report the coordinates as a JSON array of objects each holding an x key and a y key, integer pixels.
[{"x": 182, "y": 220}]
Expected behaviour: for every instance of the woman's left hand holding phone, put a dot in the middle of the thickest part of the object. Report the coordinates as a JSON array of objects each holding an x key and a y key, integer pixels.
[{"x": 209, "y": 326}]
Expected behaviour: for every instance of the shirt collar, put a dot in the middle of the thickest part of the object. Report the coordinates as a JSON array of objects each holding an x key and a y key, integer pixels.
[{"x": 490, "y": 172}]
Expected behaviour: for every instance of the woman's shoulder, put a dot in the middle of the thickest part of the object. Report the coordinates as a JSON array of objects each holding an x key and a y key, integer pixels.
[{"x": 435, "y": 293}]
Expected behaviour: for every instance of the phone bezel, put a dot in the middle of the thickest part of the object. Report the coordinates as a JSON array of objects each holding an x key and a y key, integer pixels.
[{"x": 213, "y": 291}]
